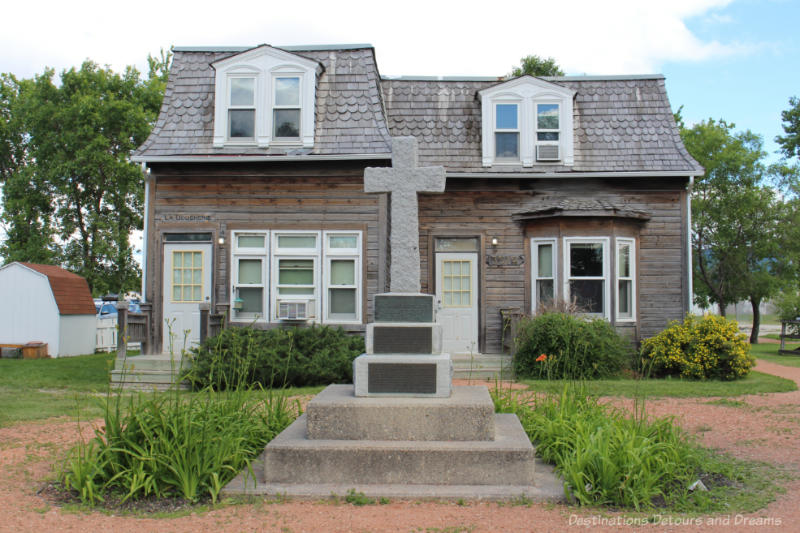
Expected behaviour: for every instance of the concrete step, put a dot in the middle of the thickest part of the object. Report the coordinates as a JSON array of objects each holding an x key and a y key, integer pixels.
[
  {"x": 143, "y": 376},
  {"x": 336, "y": 413},
  {"x": 293, "y": 458},
  {"x": 149, "y": 386},
  {"x": 488, "y": 375},
  {"x": 150, "y": 362}
]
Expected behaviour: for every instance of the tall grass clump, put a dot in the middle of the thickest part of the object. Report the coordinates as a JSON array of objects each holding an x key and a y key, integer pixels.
[
  {"x": 174, "y": 444},
  {"x": 166, "y": 444},
  {"x": 558, "y": 345},
  {"x": 605, "y": 456},
  {"x": 315, "y": 355}
]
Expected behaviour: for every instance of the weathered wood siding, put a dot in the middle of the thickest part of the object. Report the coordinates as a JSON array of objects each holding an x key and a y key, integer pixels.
[
  {"x": 221, "y": 198},
  {"x": 484, "y": 208}
]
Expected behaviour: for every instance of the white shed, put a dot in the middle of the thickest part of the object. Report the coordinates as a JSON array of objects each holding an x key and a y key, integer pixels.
[{"x": 48, "y": 304}]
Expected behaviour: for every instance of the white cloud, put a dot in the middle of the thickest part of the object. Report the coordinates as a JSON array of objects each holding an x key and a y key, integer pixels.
[{"x": 419, "y": 37}]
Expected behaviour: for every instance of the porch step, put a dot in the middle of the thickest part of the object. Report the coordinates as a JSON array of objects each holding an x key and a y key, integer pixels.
[
  {"x": 482, "y": 366},
  {"x": 148, "y": 372}
]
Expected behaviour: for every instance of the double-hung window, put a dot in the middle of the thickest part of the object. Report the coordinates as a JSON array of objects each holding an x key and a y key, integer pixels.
[
  {"x": 242, "y": 108},
  {"x": 547, "y": 120},
  {"x": 626, "y": 280},
  {"x": 286, "y": 108},
  {"x": 249, "y": 275},
  {"x": 544, "y": 272},
  {"x": 342, "y": 272},
  {"x": 506, "y": 136},
  {"x": 586, "y": 266},
  {"x": 296, "y": 265}
]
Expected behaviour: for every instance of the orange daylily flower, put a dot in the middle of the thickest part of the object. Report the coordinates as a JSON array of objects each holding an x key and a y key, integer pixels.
[{"x": 541, "y": 358}]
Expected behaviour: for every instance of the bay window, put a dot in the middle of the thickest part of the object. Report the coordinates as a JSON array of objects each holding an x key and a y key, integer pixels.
[
  {"x": 544, "y": 272},
  {"x": 625, "y": 280},
  {"x": 586, "y": 274},
  {"x": 583, "y": 271}
]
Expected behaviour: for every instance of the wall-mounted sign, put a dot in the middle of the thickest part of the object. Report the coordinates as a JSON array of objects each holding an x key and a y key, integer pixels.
[
  {"x": 183, "y": 218},
  {"x": 505, "y": 260}
]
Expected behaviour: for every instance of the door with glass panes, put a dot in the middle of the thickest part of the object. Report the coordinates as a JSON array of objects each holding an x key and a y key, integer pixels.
[
  {"x": 187, "y": 283},
  {"x": 457, "y": 298}
]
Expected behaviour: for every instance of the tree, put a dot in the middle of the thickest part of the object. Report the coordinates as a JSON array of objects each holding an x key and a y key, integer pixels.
[
  {"x": 790, "y": 144},
  {"x": 536, "y": 66},
  {"x": 70, "y": 171},
  {"x": 739, "y": 224}
]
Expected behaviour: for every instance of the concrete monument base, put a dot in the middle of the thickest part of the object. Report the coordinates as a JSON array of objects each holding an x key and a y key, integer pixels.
[{"x": 409, "y": 375}]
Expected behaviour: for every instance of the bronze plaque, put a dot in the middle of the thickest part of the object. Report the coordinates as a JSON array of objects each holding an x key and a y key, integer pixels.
[
  {"x": 397, "y": 308},
  {"x": 408, "y": 378},
  {"x": 389, "y": 340}
]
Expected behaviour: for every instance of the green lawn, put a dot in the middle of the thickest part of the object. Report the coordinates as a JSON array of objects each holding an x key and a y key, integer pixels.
[
  {"x": 34, "y": 389},
  {"x": 769, "y": 352},
  {"x": 754, "y": 383}
]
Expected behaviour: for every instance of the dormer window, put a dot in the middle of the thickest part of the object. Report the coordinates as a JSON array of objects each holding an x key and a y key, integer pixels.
[
  {"x": 242, "y": 108},
  {"x": 263, "y": 97},
  {"x": 506, "y": 136},
  {"x": 286, "y": 109},
  {"x": 527, "y": 121}
]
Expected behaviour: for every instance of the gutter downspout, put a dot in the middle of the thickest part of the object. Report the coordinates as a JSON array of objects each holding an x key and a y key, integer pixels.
[
  {"x": 146, "y": 173},
  {"x": 689, "y": 242}
]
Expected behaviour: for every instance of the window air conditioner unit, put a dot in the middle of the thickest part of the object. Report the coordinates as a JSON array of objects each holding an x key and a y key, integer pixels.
[
  {"x": 295, "y": 310},
  {"x": 547, "y": 152}
]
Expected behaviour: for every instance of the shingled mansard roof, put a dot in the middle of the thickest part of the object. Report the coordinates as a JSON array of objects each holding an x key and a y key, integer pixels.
[{"x": 621, "y": 123}]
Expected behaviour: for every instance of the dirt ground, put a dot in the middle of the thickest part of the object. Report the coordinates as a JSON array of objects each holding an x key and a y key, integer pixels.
[{"x": 766, "y": 429}]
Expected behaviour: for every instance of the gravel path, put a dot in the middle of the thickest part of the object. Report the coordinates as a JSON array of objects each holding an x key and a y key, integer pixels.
[{"x": 765, "y": 427}]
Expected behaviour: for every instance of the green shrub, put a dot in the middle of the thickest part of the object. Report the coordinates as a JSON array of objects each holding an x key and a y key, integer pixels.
[
  {"x": 562, "y": 346},
  {"x": 708, "y": 347},
  {"x": 315, "y": 355},
  {"x": 604, "y": 456},
  {"x": 165, "y": 444}
]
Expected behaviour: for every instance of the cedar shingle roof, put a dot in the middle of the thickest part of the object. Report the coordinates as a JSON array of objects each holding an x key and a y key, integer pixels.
[
  {"x": 621, "y": 124},
  {"x": 349, "y": 114},
  {"x": 71, "y": 291}
]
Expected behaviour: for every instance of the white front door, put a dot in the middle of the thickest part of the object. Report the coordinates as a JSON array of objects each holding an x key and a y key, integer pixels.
[
  {"x": 187, "y": 282},
  {"x": 457, "y": 297}
]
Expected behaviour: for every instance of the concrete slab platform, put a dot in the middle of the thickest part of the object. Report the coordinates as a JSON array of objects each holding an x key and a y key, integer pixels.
[
  {"x": 293, "y": 458},
  {"x": 336, "y": 413},
  {"x": 548, "y": 487}
]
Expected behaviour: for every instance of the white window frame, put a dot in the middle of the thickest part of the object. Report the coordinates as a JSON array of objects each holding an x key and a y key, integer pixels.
[
  {"x": 332, "y": 254},
  {"x": 496, "y": 130},
  {"x": 232, "y": 107},
  {"x": 605, "y": 241},
  {"x": 529, "y": 91},
  {"x": 274, "y": 105},
  {"x": 631, "y": 243},
  {"x": 538, "y": 130},
  {"x": 265, "y": 63},
  {"x": 238, "y": 253},
  {"x": 535, "y": 243},
  {"x": 301, "y": 254}
]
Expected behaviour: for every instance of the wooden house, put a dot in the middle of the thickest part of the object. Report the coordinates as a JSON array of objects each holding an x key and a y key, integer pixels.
[{"x": 575, "y": 188}]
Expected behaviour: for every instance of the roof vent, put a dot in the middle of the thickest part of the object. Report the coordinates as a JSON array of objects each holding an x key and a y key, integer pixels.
[{"x": 547, "y": 152}]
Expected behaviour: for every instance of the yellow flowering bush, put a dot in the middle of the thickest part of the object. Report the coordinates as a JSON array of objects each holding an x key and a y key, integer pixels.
[{"x": 709, "y": 347}]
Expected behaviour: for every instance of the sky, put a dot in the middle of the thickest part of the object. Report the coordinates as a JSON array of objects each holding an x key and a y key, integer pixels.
[{"x": 730, "y": 59}]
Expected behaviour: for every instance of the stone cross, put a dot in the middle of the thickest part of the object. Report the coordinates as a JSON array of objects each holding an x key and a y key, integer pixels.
[{"x": 403, "y": 180}]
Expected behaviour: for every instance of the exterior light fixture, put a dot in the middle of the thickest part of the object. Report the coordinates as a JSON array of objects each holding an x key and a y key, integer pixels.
[
  {"x": 221, "y": 241},
  {"x": 494, "y": 241}
]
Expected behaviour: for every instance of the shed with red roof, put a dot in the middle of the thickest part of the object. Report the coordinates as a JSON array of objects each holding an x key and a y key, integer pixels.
[{"x": 46, "y": 303}]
